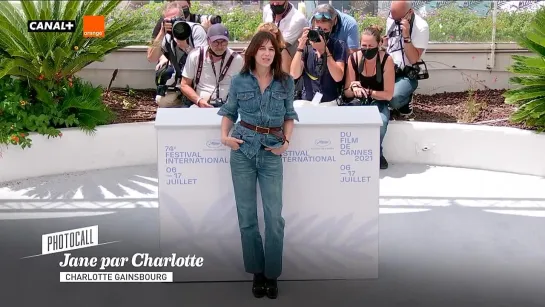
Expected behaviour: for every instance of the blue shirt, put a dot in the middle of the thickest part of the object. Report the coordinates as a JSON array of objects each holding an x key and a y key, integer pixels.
[
  {"x": 346, "y": 30},
  {"x": 312, "y": 80},
  {"x": 267, "y": 110}
]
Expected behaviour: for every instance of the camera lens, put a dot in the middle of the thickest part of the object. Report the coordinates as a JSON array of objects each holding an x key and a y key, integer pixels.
[
  {"x": 313, "y": 36},
  {"x": 181, "y": 30}
]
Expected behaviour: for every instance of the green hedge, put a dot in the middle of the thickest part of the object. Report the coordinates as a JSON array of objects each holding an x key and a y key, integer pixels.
[{"x": 447, "y": 24}]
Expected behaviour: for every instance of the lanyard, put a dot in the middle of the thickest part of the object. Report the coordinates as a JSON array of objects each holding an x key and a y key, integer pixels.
[{"x": 218, "y": 80}]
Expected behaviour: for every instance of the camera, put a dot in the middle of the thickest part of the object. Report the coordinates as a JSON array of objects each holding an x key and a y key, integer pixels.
[
  {"x": 218, "y": 102},
  {"x": 417, "y": 71},
  {"x": 214, "y": 19},
  {"x": 314, "y": 35},
  {"x": 181, "y": 30}
]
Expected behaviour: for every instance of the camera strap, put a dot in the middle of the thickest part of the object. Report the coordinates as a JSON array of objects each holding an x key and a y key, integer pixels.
[{"x": 223, "y": 69}]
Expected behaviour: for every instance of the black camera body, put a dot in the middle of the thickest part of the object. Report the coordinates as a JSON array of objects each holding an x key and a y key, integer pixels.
[
  {"x": 315, "y": 34},
  {"x": 217, "y": 102},
  {"x": 417, "y": 71}
]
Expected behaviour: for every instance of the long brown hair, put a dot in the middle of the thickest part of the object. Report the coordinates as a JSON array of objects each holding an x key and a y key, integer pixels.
[{"x": 260, "y": 38}]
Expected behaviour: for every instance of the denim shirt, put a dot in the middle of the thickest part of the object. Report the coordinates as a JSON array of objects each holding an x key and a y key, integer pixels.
[{"x": 267, "y": 110}]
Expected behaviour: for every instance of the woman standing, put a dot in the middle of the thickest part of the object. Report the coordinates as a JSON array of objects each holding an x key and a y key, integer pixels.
[
  {"x": 371, "y": 79},
  {"x": 262, "y": 94}
]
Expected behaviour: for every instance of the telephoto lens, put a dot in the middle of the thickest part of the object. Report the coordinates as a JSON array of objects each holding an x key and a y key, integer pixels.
[{"x": 181, "y": 30}]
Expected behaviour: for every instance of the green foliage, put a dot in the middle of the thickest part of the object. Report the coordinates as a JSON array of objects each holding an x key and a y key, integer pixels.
[
  {"x": 454, "y": 24},
  {"x": 77, "y": 104},
  {"x": 530, "y": 96},
  {"x": 39, "y": 92},
  {"x": 42, "y": 58},
  {"x": 147, "y": 17},
  {"x": 448, "y": 23}
]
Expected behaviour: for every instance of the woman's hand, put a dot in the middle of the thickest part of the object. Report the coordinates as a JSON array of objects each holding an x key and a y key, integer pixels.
[
  {"x": 357, "y": 89},
  {"x": 278, "y": 151},
  {"x": 232, "y": 142}
]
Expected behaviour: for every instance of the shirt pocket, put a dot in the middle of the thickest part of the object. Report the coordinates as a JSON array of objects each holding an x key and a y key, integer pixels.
[
  {"x": 247, "y": 101},
  {"x": 278, "y": 99}
]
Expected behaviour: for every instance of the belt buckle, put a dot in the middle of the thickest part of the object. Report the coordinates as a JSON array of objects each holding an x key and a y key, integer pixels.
[{"x": 266, "y": 129}]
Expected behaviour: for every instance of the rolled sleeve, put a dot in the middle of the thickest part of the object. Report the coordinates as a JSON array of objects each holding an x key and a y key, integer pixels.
[
  {"x": 230, "y": 109},
  {"x": 290, "y": 110}
]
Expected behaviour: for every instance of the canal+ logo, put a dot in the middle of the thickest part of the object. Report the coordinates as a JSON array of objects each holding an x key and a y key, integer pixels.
[
  {"x": 213, "y": 144},
  {"x": 322, "y": 142},
  {"x": 93, "y": 26}
]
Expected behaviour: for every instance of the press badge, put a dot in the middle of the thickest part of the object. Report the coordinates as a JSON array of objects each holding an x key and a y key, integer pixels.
[{"x": 317, "y": 99}]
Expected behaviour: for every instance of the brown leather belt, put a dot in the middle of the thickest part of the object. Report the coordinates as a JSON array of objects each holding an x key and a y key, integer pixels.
[{"x": 276, "y": 131}]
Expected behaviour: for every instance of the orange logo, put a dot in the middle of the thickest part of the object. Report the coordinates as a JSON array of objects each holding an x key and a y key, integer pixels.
[{"x": 93, "y": 26}]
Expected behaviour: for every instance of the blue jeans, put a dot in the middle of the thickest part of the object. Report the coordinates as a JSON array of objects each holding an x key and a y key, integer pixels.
[
  {"x": 403, "y": 89},
  {"x": 267, "y": 168},
  {"x": 382, "y": 106}
]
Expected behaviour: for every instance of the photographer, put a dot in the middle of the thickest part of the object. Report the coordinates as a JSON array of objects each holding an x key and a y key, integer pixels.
[
  {"x": 320, "y": 60},
  {"x": 288, "y": 19},
  {"x": 407, "y": 38},
  {"x": 205, "y": 20},
  {"x": 370, "y": 79},
  {"x": 208, "y": 71},
  {"x": 175, "y": 40}
]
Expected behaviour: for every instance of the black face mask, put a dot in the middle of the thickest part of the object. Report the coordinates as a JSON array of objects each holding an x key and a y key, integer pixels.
[
  {"x": 278, "y": 9},
  {"x": 186, "y": 12},
  {"x": 369, "y": 53}
]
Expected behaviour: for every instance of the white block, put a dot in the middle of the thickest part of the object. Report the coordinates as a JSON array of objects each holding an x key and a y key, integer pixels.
[{"x": 331, "y": 227}]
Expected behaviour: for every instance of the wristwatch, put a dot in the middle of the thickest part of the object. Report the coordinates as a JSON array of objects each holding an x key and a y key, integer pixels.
[{"x": 407, "y": 40}]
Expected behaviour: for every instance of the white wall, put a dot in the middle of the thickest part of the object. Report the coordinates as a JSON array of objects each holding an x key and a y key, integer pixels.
[
  {"x": 450, "y": 65},
  {"x": 468, "y": 146}
]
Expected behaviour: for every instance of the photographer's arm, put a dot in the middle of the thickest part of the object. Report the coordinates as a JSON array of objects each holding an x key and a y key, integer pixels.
[
  {"x": 296, "y": 68},
  {"x": 336, "y": 69},
  {"x": 297, "y": 65},
  {"x": 336, "y": 60},
  {"x": 419, "y": 41},
  {"x": 350, "y": 77},
  {"x": 412, "y": 53},
  {"x": 155, "y": 51}
]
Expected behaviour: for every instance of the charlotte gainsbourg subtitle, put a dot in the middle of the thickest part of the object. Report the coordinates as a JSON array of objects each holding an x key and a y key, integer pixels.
[{"x": 137, "y": 260}]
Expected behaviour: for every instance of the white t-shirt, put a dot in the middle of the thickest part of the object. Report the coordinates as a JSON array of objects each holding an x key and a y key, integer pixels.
[
  {"x": 207, "y": 83},
  {"x": 291, "y": 25},
  {"x": 420, "y": 37}
]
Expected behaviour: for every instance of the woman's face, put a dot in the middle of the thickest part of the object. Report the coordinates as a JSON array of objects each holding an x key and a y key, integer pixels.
[
  {"x": 265, "y": 54},
  {"x": 368, "y": 42}
]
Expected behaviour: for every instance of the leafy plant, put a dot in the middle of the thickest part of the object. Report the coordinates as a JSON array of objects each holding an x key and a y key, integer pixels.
[
  {"x": 47, "y": 57},
  {"x": 530, "y": 96},
  {"x": 79, "y": 105},
  {"x": 39, "y": 91}
]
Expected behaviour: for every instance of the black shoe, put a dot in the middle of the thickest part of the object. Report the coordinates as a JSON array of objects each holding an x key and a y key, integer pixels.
[
  {"x": 272, "y": 289},
  {"x": 259, "y": 285},
  {"x": 383, "y": 163}
]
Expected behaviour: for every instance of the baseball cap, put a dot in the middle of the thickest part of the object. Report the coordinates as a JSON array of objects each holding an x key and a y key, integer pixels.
[{"x": 218, "y": 31}]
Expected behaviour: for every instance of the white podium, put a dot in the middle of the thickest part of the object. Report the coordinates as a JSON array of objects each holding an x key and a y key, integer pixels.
[{"x": 331, "y": 195}]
